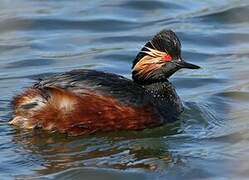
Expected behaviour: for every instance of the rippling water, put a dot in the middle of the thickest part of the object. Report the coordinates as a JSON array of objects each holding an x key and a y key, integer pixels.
[{"x": 210, "y": 141}]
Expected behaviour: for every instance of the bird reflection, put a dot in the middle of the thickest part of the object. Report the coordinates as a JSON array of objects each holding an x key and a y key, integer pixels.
[{"x": 122, "y": 150}]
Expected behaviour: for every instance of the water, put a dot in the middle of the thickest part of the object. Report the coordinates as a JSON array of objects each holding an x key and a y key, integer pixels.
[{"x": 211, "y": 141}]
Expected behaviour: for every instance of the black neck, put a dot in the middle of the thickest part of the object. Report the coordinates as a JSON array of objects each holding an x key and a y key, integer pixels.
[{"x": 164, "y": 97}]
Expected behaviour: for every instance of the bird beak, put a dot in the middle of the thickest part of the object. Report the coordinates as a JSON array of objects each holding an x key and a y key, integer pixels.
[{"x": 183, "y": 64}]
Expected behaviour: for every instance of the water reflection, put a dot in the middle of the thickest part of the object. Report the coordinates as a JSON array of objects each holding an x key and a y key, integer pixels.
[{"x": 119, "y": 150}]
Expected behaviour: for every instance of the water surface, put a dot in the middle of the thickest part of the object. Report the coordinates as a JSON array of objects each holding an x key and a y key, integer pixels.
[{"x": 209, "y": 142}]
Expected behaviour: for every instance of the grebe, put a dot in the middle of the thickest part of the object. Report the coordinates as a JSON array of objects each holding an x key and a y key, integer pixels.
[{"x": 83, "y": 102}]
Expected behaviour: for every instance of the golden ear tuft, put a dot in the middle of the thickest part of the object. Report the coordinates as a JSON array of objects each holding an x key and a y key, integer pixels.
[{"x": 154, "y": 53}]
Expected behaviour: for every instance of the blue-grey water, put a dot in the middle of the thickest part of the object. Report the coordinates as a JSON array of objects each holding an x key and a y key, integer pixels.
[{"x": 211, "y": 140}]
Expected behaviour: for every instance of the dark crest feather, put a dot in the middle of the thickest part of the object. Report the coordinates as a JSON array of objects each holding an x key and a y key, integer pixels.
[{"x": 165, "y": 41}]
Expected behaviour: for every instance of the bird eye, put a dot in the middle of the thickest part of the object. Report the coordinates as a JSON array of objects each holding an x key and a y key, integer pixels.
[{"x": 167, "y": 57}]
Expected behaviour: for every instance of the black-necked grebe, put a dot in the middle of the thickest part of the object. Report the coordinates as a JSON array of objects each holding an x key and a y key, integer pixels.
[{"x": 82, "y": 102}]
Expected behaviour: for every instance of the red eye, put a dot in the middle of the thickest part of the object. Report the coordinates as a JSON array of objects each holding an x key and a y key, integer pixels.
[{"x": 167, "y": 57}]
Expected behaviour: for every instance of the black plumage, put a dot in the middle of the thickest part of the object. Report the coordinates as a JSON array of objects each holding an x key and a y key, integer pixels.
[{"x": 86, "y": 101}]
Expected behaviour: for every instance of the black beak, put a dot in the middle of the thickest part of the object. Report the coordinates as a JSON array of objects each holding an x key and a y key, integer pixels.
[{"x": 183, "y": 64}]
